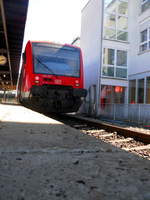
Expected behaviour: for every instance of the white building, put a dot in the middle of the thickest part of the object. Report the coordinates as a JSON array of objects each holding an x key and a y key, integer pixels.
[{"x": 115, "y": 40}]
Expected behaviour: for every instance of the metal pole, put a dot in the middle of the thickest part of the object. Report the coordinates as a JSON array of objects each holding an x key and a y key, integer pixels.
[
  {"x": 6, "y": 37},
  {"x": 114, "y": 110},
  {"x": 139, "y": 113},
  {"x": 100, "y": 67}
]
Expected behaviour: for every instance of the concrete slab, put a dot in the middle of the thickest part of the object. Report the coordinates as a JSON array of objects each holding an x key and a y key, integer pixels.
[{"x": 41, "y": 158}]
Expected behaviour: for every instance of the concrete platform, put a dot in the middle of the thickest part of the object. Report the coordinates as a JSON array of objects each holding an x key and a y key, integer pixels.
[{"x": 42, "y": 159}]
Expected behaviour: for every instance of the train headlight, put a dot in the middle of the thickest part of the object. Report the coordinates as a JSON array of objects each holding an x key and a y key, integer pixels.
[
  {"x": 37, "y": 78},
  {"x": 77, "y": 84}
]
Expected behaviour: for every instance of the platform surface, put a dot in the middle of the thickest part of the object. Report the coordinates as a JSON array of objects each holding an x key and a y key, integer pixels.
[{"x": 42, "y": 159}]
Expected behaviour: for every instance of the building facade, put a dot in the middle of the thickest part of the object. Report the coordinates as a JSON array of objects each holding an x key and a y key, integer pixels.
[
  {"x": 139, "y": 68},
  {"x": 115, "y": 40}
]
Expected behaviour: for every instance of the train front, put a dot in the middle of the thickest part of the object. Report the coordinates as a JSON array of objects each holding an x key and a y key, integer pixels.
[{"x": 57, "y": 77}]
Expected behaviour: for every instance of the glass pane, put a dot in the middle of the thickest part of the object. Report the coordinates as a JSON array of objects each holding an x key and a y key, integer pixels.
[
  {"x": 143, "y": 47},
  {"x": 107, "y": 2},
  {"x": 123, "y": 8},
  {"x": 121, "y": 73},
  {"x": 108, "y": 71},
  {"x": 121, "y": 35},
  {"x": 141, "y": 91},
  {"x": 122, "y": 23},
  {"x": 110, "y": 33},
  {"x": 144, "y": 36},
  {"x": 110, "y": 21},
  {"x": 132, "y": 91},
  {"x": 107, "y": 96},
  {"x": 119, "y": 94},
  {"x": 109, "y": 56},
  {"x": 111, "y": 94},
  {"x": 148, "y": 90},
  {"x": 110, "y": 6},
  {"x": 121, "y": 58},
  {"x": 50, "y": 59},
  {"x": 145, "y": 6}
]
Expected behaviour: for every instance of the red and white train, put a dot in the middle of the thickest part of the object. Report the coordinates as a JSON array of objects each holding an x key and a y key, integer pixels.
[{"x": 52, "y": 77}]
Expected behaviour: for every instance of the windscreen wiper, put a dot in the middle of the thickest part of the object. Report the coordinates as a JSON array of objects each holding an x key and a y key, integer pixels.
[{"x": 45, "y": 66}]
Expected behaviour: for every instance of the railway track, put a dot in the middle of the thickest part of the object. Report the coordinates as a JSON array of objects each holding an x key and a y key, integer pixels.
[{"x": 128, "y": 140}]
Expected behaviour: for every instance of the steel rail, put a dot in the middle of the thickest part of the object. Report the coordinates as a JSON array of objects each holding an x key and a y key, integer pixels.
[{"x": 142, "y": 137}]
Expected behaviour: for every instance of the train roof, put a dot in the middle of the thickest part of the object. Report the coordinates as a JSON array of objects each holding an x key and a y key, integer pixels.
[{"x": 54, "y": 43}]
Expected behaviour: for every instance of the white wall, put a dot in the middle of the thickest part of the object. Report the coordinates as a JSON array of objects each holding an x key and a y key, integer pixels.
[
  {"x": 133, "y": 35},
  {"x": 138, "y": 62},
  {"x": 91, "y": 40},
  {"x": 114, "y": 82}
]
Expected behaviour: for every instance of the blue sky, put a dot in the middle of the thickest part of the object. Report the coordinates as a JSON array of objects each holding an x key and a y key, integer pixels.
[{"x": 54, "y": 20}]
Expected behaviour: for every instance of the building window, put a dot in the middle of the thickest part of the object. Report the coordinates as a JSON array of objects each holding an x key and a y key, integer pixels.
[
  {"x": 116, "y": 20},
  {"x": 109, "y": 56},
  {"x": 132, "y": 91},
  {"x": 121, "y": 58},
  {"x": 112, "y": 94},
  {"x": 140, "y": 91},
  {"x": 145, "y": 4},
  {"x": 114, "y": 63},
  {"x": 123, "y": 8},
  {"x": 148, "y": 90},
  {"x": 145, "y": 40}
]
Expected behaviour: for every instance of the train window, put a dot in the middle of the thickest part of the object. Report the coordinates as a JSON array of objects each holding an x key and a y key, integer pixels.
[{"x": 58, "y": 61}]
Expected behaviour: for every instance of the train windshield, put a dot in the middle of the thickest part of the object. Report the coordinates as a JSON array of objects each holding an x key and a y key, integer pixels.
[{"x": 56, "y": 60}]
